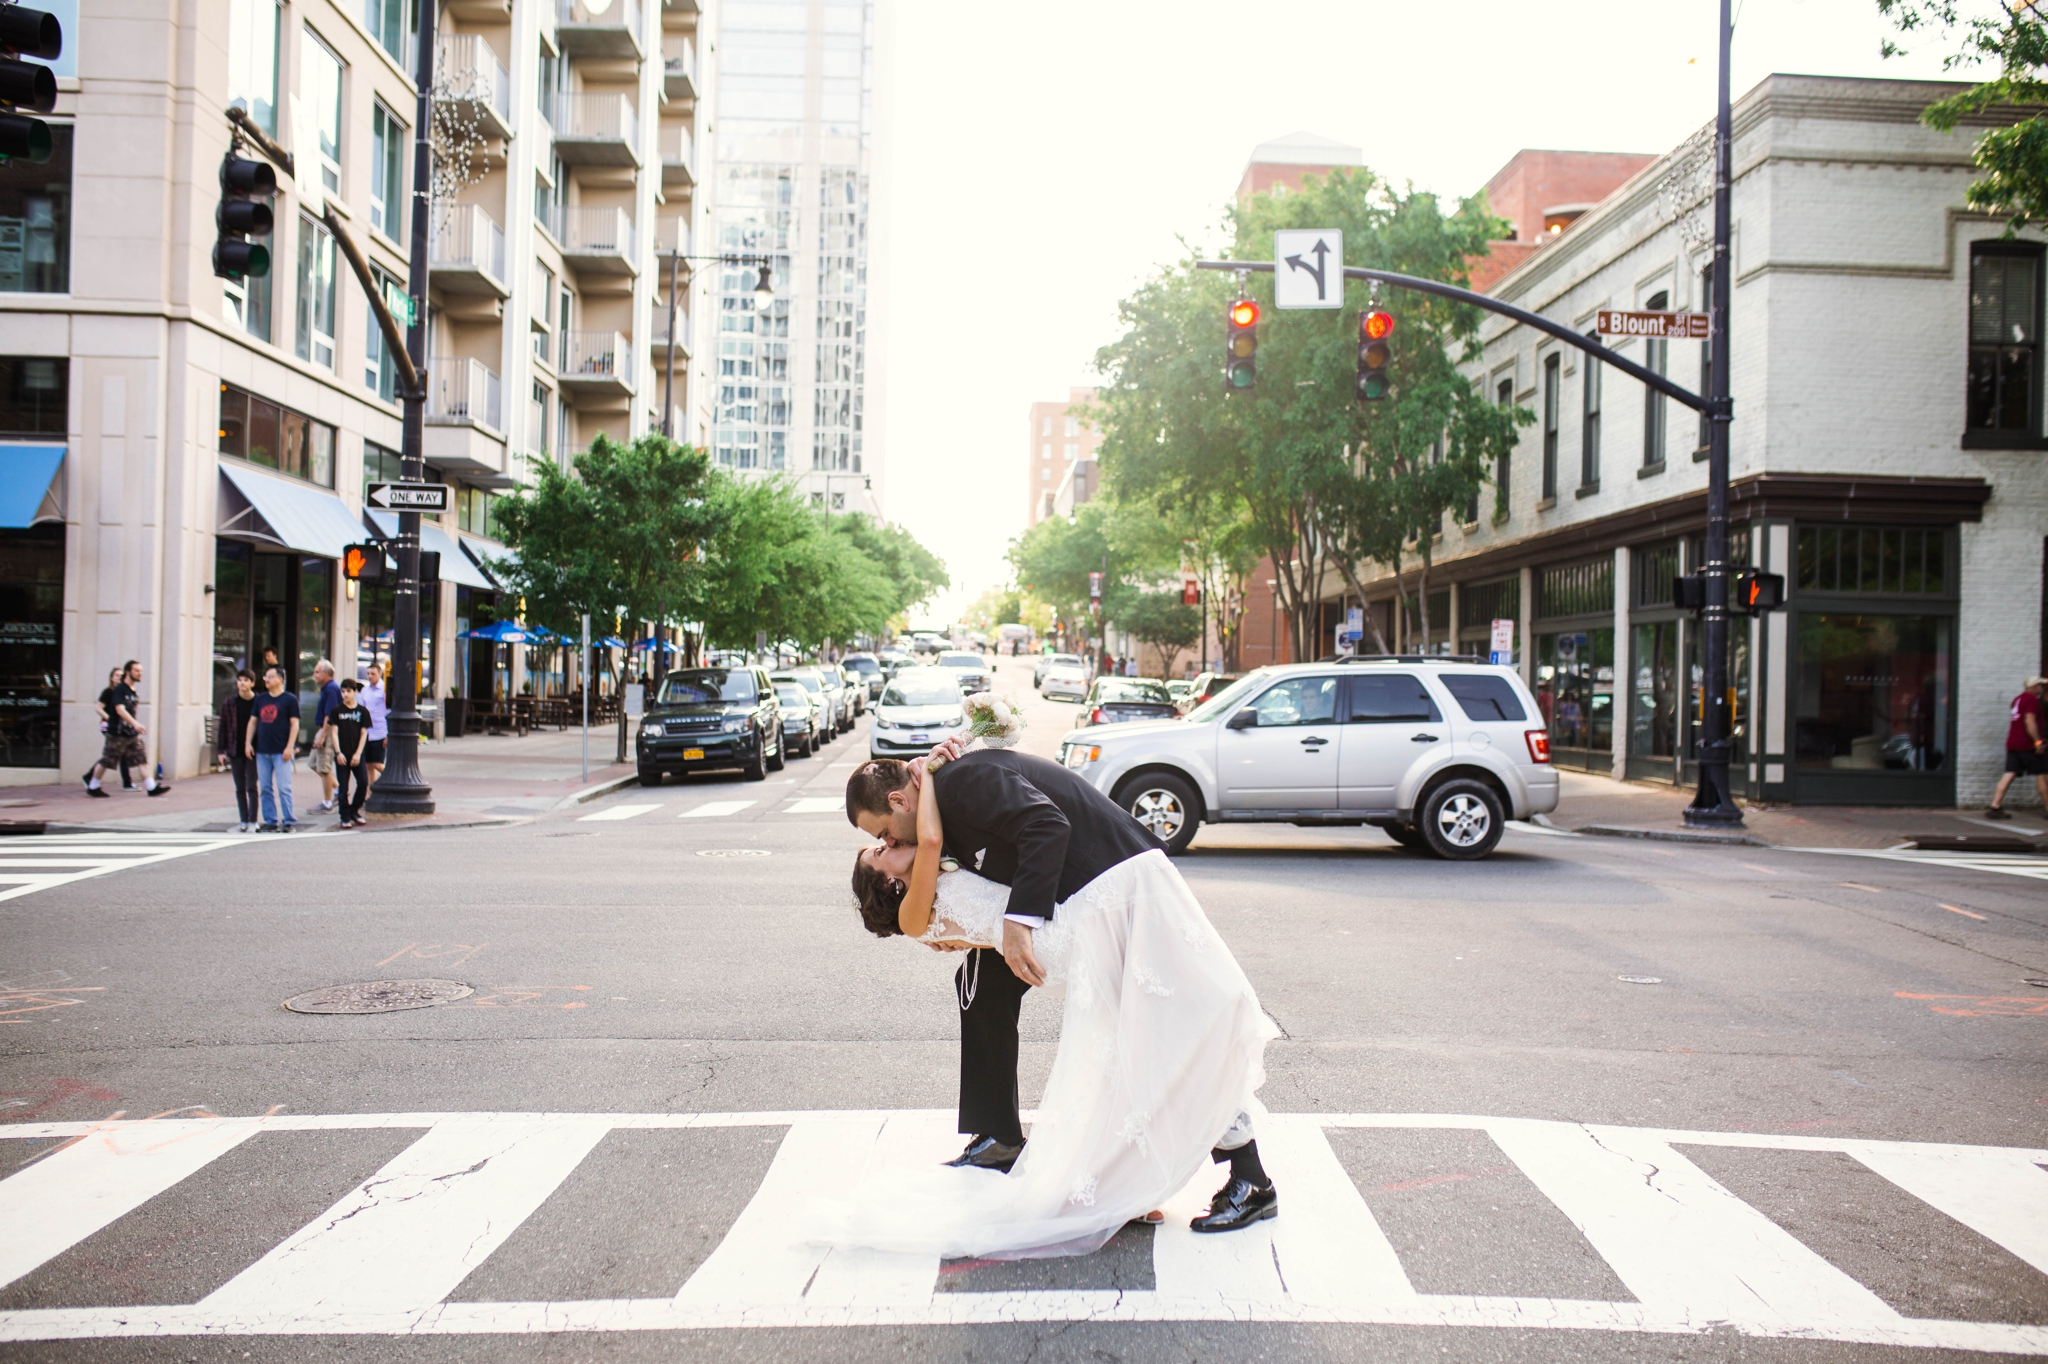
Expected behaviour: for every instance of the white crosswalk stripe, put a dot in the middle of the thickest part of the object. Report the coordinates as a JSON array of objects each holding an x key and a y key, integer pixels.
[
  {"x": 2006, "y": 864},
  {"x": 28, "y": 865},
  {"x": 817, "y": 805},
  {"x": 617, "y": 812},
  {"x": 716, "y": 809},
  {"x": 385, "y": 1257}
]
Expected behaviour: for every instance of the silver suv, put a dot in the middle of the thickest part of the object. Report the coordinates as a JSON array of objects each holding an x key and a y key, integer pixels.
[{"x": 1439, "y": 752}]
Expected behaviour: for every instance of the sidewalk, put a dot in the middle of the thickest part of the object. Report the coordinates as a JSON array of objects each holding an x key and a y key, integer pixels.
[
  {"x": 476, "y": 777},
  {"x": 1587, "y": 801}
]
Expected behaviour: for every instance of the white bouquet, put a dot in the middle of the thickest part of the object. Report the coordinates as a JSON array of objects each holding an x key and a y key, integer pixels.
[{"x": 995, "y": 720}]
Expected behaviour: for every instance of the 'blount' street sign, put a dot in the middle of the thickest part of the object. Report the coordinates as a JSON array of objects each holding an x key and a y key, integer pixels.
[
  {"x": 1653, "y": 326},
  {"x": 425, "y": 497}
]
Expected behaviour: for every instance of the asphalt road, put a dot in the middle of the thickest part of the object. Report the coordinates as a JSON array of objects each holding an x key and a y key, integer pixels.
[{"x": 1562, "y": 1162}]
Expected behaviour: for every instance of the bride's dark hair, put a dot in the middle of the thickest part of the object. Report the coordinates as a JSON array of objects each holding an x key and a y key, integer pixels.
[{"x": 879, "y": 897}]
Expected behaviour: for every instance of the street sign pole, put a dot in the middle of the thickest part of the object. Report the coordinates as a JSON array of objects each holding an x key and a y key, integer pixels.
[
  {"x": 583, "y": 668},
  {"x": 1713, "y": 804},
  {"x": 401, "y": 788}
]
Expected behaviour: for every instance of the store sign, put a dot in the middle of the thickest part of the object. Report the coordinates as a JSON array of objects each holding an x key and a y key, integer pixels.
[{"x": 1503, "y": 643}]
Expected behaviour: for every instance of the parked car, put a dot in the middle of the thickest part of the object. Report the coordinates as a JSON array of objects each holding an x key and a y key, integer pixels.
[
  {"x": 704, "y": 718},
  {"x": 825, "y": 717},
  {"x": 1049, "y": 660},
  {"x": 1116, "y": 700},
  {"x": 799, "y": 719},
  {"x": 857, "y": 684},
  {"x": 870, "y": 669},
  {"x": 974, "y": 672},
  {"x": 836, "y": 691},
  {"x": 1439, "y": 755},
  {"x": 1182, "y": 690},
  {"x": 1069, "y": 680},
  {"x": 920, "y": 707},
  {"x": 1207, "y": 685}
]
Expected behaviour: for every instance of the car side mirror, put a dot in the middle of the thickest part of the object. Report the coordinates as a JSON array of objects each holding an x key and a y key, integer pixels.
[{"x": 1244, "y": 719}]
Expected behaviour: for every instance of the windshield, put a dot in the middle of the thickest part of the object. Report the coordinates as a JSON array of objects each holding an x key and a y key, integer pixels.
[
  {"x": 708, "y": 684},
  {"x": 1072, "y": 659},
  {"x": 1228, "y": 700},
  {"x": 960, "y": 660},
  {"x": 863, "y": 665},
  {"x": 790, "y": 694},
  {"x": 808, "y": 681},
  {"x": 1132, "y": 689},
  {"x": 922, "y": 690}
]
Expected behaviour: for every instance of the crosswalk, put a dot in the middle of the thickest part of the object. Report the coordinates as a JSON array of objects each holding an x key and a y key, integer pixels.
[
  {"x": 2005, "y": 864},
  {"x": 725, "y": 809},
  {"x": 386, "y": 1258},
  {"x": 28, "y": 865}
]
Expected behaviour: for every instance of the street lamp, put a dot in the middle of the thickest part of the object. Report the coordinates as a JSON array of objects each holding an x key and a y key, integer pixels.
[
  {"x": 764, "y": 292},
  {"x": 764, "y": 303}
]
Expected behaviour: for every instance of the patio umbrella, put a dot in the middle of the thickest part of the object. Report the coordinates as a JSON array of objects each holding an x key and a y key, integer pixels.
[
  {"x": 666, "y": 646},
  {"x": 609, "y": 642},
  {"x": 508, "y": 632}
]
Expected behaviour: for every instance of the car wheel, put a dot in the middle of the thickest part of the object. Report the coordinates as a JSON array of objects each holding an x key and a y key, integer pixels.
[
  {"x": 1461, "y": 820},
  {"x": 803, "y": 747},
  {"x": 757, "y": 766},
  {"x": 650, "y": 776},
  {"x": 1405, "y": 835},
  {"x": 1166, "y": 806},
  {"x": 781, "y": 758}
]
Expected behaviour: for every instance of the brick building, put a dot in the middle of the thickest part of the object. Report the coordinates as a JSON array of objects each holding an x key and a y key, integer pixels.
[{"x": 1060, "y": 439}]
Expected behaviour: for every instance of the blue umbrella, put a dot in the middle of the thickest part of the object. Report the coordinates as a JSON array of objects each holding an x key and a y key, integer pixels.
[
  {"x": 666, "y": 646},
  {"x": 609, "y": 642},
  {"x": 507, "y": 632}
]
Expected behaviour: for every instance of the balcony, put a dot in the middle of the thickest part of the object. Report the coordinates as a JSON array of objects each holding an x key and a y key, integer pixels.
[
  {"x": 657, "y": 332},
  {"x": 678, "y": 153},
  {"x": 599, "y": 363},
  {"x": 671, "y": 237},
  {"x": 467, "y": 251},
  {"x": 598, "y": 28},
  {"x": 596, "y": 130},
  {"x": 598, "y": 241},
  {"x": 679, "y": 67},
  {"x": 468, "y": 68},
  {"x": 464, "y": 393}
]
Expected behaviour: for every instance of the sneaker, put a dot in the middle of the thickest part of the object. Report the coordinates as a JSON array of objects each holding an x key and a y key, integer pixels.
[
  {"x": 97, "y": 793},
  {"x": 323, "y": 807},
  {"x": 266, "y": 828},
  {"x": 247, "y": 827},
  {"x": 159, "y": 790},
  {"x": 1993, "y": 812},
  {"x": 288, "y": 828}
]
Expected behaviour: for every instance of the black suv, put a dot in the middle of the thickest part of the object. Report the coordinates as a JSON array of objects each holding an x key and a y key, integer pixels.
[
  {"x": 712, "y": 717},
  {"x": 870, "y": 669}
]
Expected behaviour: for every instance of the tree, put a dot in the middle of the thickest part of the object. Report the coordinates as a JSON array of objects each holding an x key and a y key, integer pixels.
[
  {"x": 1159, "y": 619},
  {"x": 916, "y": 573},
  {"x": 2014, "y": 158},
  {"x": 773, "y": 568},
  {"x": 1054, "y": 558}
]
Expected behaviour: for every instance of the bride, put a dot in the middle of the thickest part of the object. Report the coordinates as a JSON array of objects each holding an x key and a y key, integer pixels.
[{"x": 1161, "y": 1049}]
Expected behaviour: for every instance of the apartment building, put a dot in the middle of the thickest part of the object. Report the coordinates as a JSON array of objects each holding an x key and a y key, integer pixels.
[
  {"x": 1062, "y": 441},
  {"x": 197, "y": 447}
]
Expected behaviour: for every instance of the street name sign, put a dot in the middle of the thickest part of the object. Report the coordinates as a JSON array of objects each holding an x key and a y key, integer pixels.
[
  {"x": 422, "y": 497},
  {"x": 1308, "y": 269},
  {"x": 1653, "y": 326}
]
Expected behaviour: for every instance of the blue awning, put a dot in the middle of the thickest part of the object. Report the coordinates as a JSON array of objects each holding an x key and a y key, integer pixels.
[
  {"x": 285, "y": 511},
  {"x": 30, "y": 492},
  {"x": 456, "y": 567}
]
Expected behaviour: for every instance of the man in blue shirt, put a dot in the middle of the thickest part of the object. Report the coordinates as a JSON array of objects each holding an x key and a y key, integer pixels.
[
  {"x": 321, "y": 758},
  {"x": 273, "y": 741}
]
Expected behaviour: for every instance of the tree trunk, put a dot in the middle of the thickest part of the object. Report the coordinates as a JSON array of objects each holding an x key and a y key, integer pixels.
[{"x": 1422, "y": 597}]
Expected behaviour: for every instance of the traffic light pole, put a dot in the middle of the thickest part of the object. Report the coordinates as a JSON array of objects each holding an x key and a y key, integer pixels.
[{"x": 401, "y": 789}]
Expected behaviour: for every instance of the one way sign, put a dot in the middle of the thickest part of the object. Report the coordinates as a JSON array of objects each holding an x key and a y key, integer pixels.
[
  {"x": 1308, "y": 269},
  {"x": 423, "y": 497}
]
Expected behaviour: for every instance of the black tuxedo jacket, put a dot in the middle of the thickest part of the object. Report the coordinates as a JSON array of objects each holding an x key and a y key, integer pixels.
[{"x": 1032, "y": 825}]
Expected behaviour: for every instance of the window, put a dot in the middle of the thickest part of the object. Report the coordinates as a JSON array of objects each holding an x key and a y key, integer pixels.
[
  {"x": 539, "y": 416},
  {"x": 387, "y": 173},
  {"x": 1589, "y": 425},
  {"x": 1045, "y": 450},
  {"x": 565, "y": 301},
  {"x": 1071, "y": 452},
  {"x": 1873, "y": 692},
  {"x": 562, "y": 443},
  {"x": 322, "y": 81},
  {"x": 34, "y": 396},
  {"x": 1045, "y": 429},
  {"x": 394, "y": 24},
  {"x": 1045, "y": 473},
  {"x": 1390, "y": 698},
  {"x": 1706, "y": 387},
  {"x": 262, "y": 432},
  {"x": 1550, "y": 405},
  {"x": 1298, "y": 701},
  {"x": 1655, "y": 357},
  {"x": 1909, "y": 562},
  {"x": 474, "y": 512},
  {"x": 2005, "y": 312},
  {"x": 1073, "y": 426},
  {"x": 381, "y": 464},
  {"x": 380, "y": 371},
  {"x": 316, "y": 294},
  {"x": 1585, "y": 588},
  {"x": 35, "y": 220},
  {"x": 1503, "y": 396},
  {"x": 1483, "y": 696},
  {"x": 252, "y": 60}
]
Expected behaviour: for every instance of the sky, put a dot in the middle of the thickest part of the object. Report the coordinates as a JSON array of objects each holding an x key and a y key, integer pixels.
[{"x": 1035, "y": 162}]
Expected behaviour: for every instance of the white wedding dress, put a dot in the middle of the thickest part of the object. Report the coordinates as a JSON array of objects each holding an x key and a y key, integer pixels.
[{"x": 1162, "y": 1046}]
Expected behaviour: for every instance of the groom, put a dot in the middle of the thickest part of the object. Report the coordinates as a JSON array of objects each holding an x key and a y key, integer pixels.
[{"x": 1036, "y": 827}]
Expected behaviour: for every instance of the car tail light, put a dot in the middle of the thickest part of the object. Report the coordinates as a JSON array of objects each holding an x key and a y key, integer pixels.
[
  {"x": 1095, "y": 718},
  {"x": 1539, "y": 744}
]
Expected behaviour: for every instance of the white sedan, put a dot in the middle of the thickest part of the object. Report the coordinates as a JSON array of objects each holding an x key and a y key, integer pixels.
[
  {"x": 1069, "y": 680},
  {"x": 920, "y": 707}
]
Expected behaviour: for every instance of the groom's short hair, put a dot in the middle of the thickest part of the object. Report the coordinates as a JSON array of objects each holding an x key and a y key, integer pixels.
[{"x": 867, "y": 790}]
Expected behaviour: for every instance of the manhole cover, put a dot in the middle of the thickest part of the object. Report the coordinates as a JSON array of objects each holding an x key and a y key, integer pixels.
[
  {"x": 732, "y": 852},
  {"x": 378, "y": 997},
  {"x": 1640, "y": 980}
]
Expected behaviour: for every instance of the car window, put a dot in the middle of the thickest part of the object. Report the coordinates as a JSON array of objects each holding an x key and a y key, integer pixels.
[
  {"x": 922, "y": 691},
  {"x": 1132, "y": 689},
  {"x": 1226, "y": 701},
  {"x": 1485, "y": 696},
  {"x": 1297, "y": 701},
  {"x": 1390, "y": 698},
  {"x": 960, "y": 660},
  {"x": 790, "y": 694},
  {"x": 708, "y": 684},
  {"x": 808, "y": 681}
]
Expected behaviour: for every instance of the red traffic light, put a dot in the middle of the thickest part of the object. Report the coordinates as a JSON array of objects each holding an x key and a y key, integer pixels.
[
  {"x": 1244, "y": 313},
  {"x": 1374, "y": 326}
]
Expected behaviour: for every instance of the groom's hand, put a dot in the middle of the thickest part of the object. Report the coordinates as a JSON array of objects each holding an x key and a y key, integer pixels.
[{"x": 1017, "y": 952}]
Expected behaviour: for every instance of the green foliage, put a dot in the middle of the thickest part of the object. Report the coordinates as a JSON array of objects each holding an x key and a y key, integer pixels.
[
  {"x": 1054, "y": 558},
  {"x": 916, "y": 573},
  {"x": 1160, "y": 619},
  {"x": 773, "y": 567},
  {"x": 2014, "y": 158}
]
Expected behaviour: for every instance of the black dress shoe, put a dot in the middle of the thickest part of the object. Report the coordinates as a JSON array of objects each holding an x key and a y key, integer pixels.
[
  {"x": 986, "y": 1153},
  {"x": 1239, "y": 1204}
]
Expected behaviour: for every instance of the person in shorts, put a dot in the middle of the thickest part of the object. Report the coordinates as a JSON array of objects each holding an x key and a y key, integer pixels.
[
  {"x": 2026, "y": 746},
  {"x": 106, "y": 699},
  {"x": 321, "y": 755},
  {"x": 349, "y": 733},
  {"x": 123, "y": 749},
  {"x": 380, "y": 716}
]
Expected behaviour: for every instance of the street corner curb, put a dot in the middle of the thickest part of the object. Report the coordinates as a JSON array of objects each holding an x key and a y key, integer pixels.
[
  {"x": 394, "y": 824},
  {"x": 596, "y": 789},
  {"x": 1673, "y": 835}
]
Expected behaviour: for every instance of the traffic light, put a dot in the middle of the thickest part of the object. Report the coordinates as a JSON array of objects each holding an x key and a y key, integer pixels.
[
  {"x": 27, "y": 33},
  {"x": 1374, "y": 354},
  {"x": 363, "y": 563},
  {"x": 1755, "y": 592},
  {"x": 1241, "y": 347},
  {"x": 244, "y": 184}
]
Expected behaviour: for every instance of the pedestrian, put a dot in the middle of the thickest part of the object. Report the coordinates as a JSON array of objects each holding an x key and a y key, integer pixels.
[
  {"x": 373, "y": 701},
  {"x": 230, "y": 730},
  {"x": 272, "y": 742},
  {"x": 123, "y": 748},
  {"x": 106, "y": 699},
  {"x": 2025, "y": 741},
  {"x": 321, "y": 756},
  {"x": 349, "y": 724}
]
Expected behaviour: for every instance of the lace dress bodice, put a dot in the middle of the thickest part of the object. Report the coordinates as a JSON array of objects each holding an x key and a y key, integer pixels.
[{"x": 969, "y": 906}]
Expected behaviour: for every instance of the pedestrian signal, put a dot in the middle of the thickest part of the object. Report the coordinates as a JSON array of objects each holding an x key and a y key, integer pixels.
[
  {"x": 363, "y": 563},
  {"x": 1241, "y": 347},
  {"x": 1689, "y": 592},
  {"x": 1757, "y": 592},
  {"x": 27, "y": 32},
  {"x": 242, "y": 214},
  {"x": 1375, "y": 352}
]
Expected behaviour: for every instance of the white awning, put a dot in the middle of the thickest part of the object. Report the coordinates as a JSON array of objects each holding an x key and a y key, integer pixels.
[
  {"x": 284, "y": 511},
  {"x": 456, "y": 567}
]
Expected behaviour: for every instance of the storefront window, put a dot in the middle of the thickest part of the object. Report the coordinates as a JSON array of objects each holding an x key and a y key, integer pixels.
[
  {"x": 1575, "y": 688},
  {"x": 230, "y": 614},
  {"x": 275, "y": 437},
  {"x": 31, "y": 644},
  {"x": 35, "y": 220},
  {"x": 1873, "y": 692},
  {"x": 375, "y": 614},
  {"x": 316, "y": 611},
  {"x": 1653, "y": 721},
  {"x": 1738, "y": 685}
]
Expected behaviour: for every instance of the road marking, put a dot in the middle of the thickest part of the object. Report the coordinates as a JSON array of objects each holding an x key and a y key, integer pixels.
[
  {"x": 28, "y": 865},
  {"x": 2005, "y": 864},
  {"x": 618, "y": 812},
  {"x": 380, "y": 1261},
  {"x": 715, "y": 809},
  {"x": 1967, "y": 914},
  {"x": 817, "y": 805},
  {"x": 1858, "y": 885}
]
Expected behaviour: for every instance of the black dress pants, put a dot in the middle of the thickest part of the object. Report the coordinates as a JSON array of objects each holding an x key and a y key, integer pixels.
[
  {"x": 244, "y": 768},
  {"x": 988, "y": 1046}
]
